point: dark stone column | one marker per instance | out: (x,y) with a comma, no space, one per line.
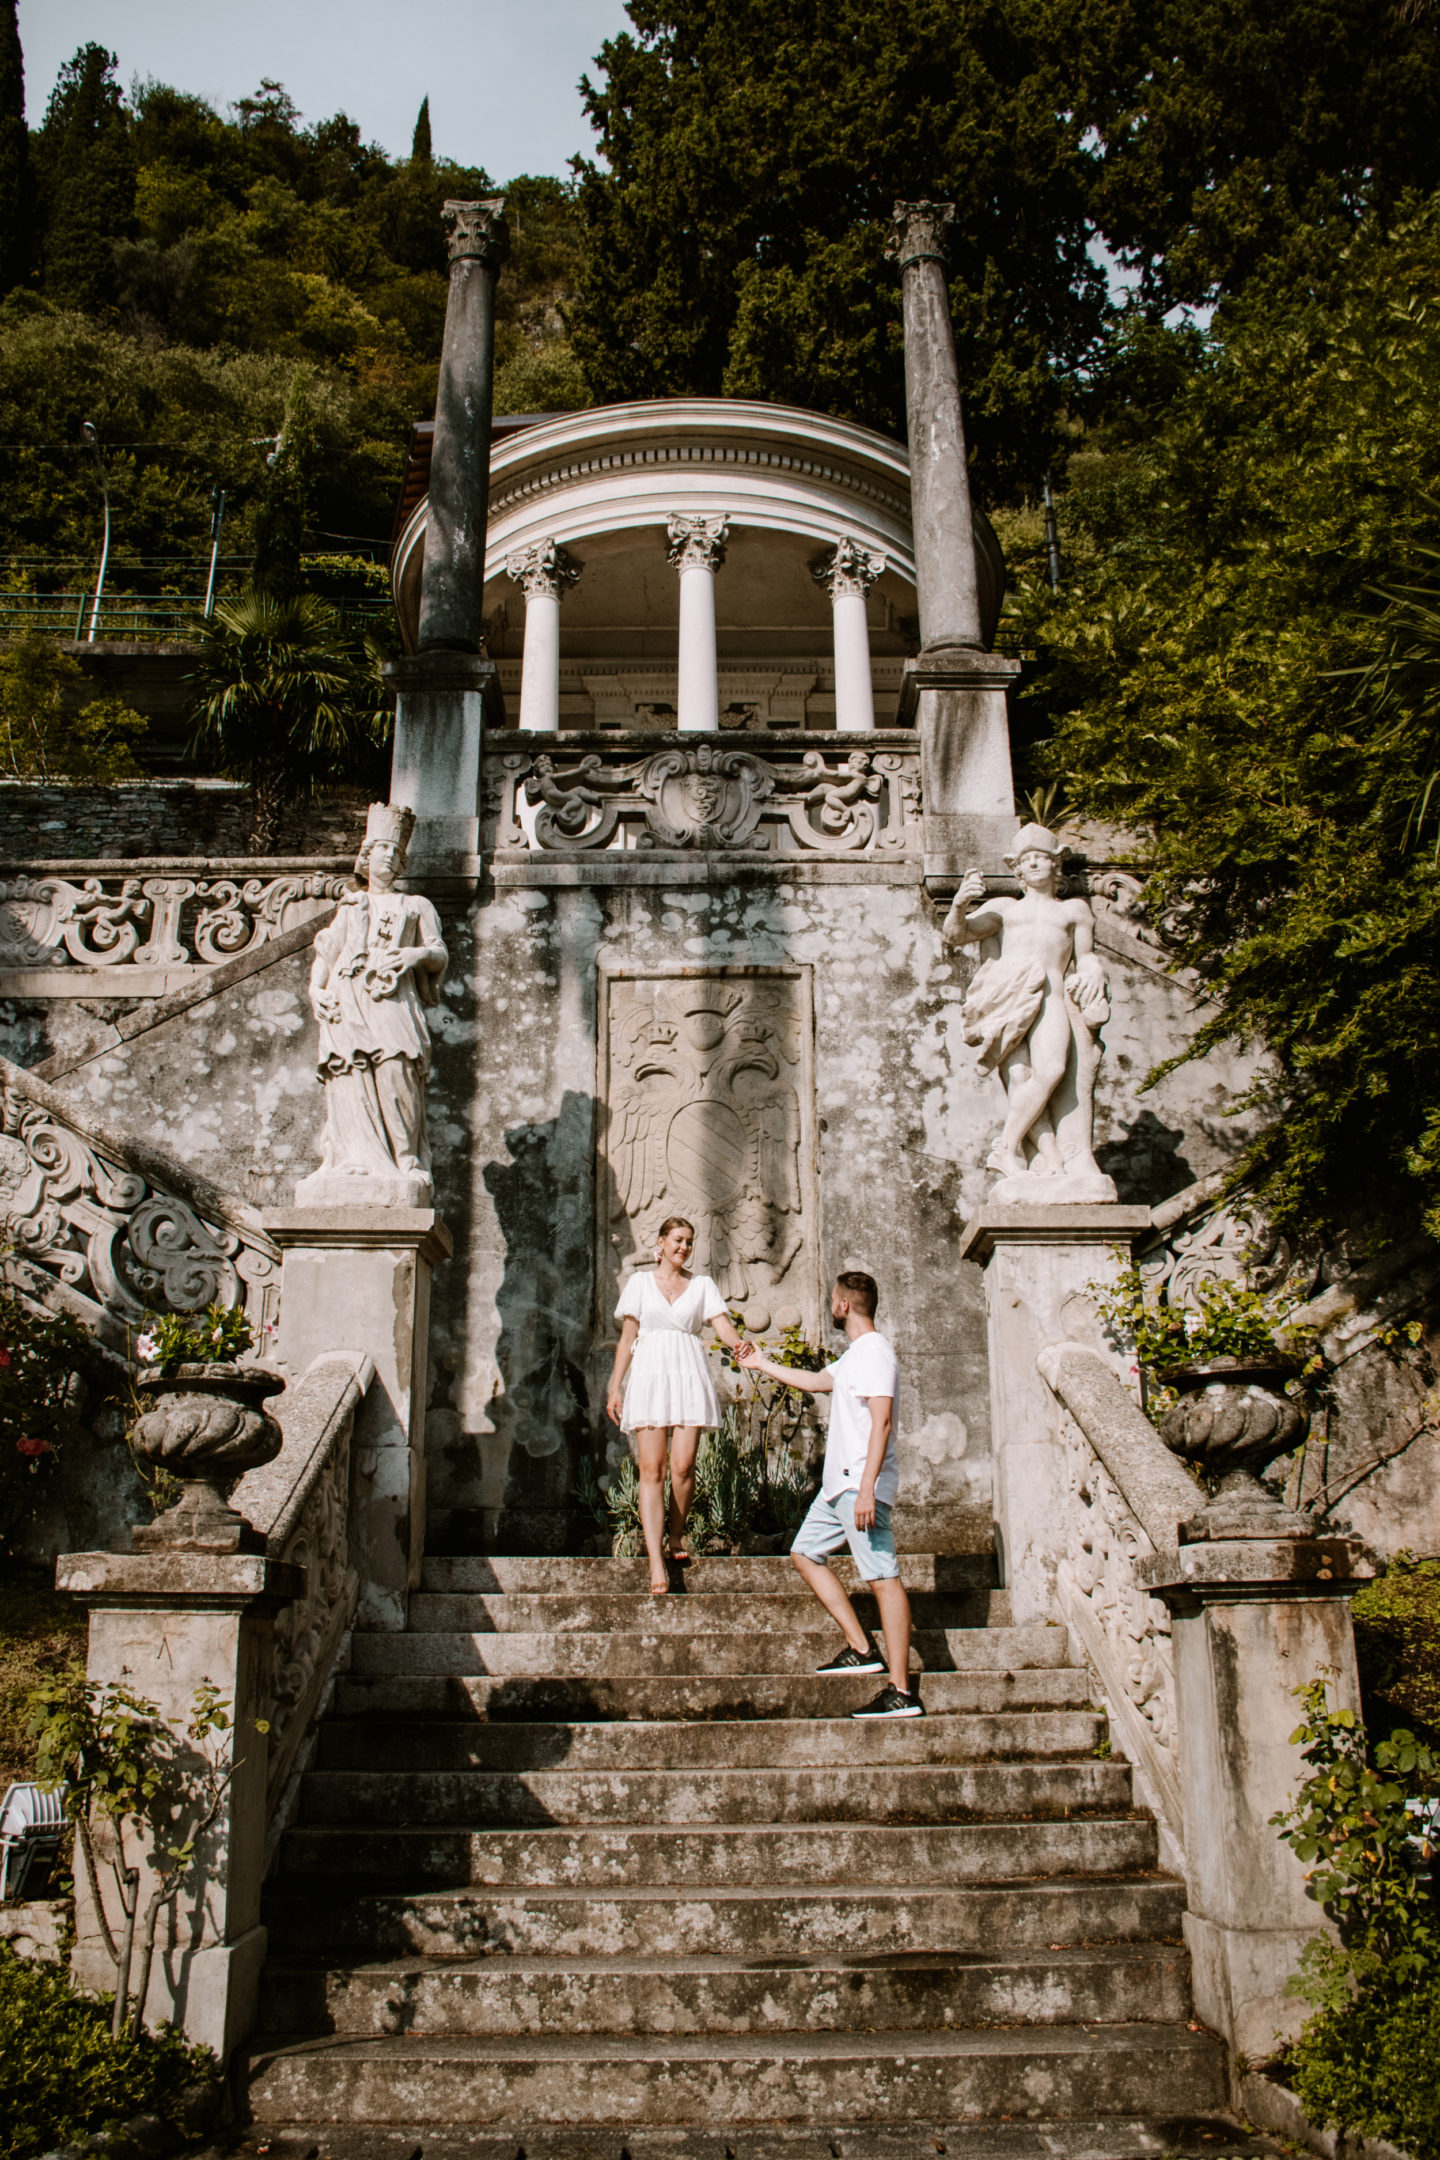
(453,580)
(946,578)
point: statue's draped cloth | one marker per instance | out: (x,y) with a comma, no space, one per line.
(1001,1006)
(374,1058)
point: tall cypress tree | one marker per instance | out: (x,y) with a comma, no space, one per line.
(87,179)
(281,518)
(15,197)
(420,150)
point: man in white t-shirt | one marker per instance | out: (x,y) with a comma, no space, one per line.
(856,1493)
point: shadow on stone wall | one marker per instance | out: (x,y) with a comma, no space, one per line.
(1146,1162)
(543,1416)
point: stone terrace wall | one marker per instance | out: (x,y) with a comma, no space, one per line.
(49,820)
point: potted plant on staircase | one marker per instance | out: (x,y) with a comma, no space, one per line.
(204,1423)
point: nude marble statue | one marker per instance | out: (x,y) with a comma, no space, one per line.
(1034,1012)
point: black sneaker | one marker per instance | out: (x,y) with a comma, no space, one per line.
(868,1660)
(892,1702)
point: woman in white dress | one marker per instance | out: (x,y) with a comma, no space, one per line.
(661,1389)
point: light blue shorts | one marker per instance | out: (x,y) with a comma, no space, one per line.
(830,1525)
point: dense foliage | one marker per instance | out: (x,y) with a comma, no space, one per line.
(50,729)
(172,267)
(40,1397)
(1365,2061)
(1397,1645)
(61,2074)
(1214,675)
(753,151)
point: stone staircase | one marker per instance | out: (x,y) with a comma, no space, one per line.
(570,1856)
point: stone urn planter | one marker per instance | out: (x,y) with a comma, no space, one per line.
(206,1425)
(1232,1420)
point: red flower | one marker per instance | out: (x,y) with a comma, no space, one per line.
(34,1447)
(4,1359)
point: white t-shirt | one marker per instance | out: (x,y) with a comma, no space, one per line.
(867,1368)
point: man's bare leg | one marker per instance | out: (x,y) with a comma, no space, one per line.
(832,1595)
(894,1602)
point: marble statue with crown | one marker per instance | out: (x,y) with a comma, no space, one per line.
(378,965)
(1034,1011)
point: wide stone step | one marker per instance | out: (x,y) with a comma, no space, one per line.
(706,1860)
(797,2077)
(730,1697)
(792,1612)
(904,1992)
(1112,2137)
(325,1921)
(905,1792)
(655,1651)
(369,1744)
(581,1576)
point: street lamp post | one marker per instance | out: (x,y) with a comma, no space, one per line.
(217,519)
(88,430)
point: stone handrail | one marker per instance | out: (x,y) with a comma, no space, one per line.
(109,1228)
(137,918)
(835,796)
(1127,1496)
(300,1504)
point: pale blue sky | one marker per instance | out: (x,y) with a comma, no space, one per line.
(501,75)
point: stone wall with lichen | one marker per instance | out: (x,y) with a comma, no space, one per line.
(51,820)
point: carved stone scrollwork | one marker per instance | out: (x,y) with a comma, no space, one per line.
(849,570)
(708,796)
(919,232)
(119,1244)
(97,922)
(697,543)
(544,571)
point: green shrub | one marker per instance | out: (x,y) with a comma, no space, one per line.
(1366,2061)
(1397,1643)
(61,2074)
(40,1394)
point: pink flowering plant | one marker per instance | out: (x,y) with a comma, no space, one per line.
(41,1394)
(218,1336)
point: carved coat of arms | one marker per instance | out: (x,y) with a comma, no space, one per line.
(706,1120)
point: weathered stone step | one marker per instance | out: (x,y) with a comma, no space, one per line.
(735,1651)
(953,1573)
(373,1745)
(703,1860)
(791,1612)
(322,1921)
(903,1792)
(904,1992)
(1112,2137)
(1019,2071)
(730,1697)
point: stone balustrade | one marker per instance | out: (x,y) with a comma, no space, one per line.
(816,799)
(149,926)
(109,1229)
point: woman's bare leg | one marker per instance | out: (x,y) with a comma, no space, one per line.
(684,1446)
(650,1447)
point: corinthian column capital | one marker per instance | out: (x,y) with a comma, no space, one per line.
(918,232)
(848,570)
(477,231)
(697,543)
(543,570)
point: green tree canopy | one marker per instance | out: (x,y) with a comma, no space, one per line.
(1212,676)
(86,164)
(15,200)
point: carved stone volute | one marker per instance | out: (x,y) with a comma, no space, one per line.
(697,543)
(919,232)
(848,570)
(477,231)
(544,571)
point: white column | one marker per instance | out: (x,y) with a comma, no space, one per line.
(697,549)
(847,573)
(545,572)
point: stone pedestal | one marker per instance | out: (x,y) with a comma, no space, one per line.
(961,714)
(442,700)
(1252,1621)
(164,1624)
(1038,1262)
(358,1278)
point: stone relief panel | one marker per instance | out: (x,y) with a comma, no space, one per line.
(706,1092)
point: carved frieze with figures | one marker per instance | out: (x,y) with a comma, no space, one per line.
(707,1106)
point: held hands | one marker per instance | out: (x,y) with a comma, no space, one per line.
(749,1355)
